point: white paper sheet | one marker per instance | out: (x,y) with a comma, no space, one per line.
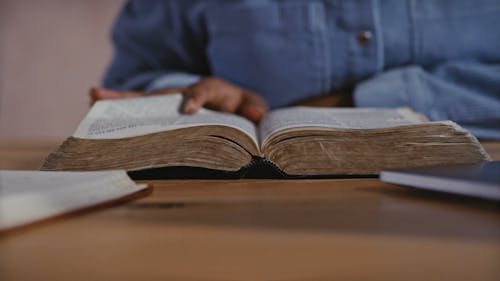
(111,119)
(338,118)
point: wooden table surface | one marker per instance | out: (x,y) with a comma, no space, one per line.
(343,229)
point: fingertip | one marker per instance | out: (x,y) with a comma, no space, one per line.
(190,107)
(93,93)
(193,100)
(101,94)
(253,113)
(254,107)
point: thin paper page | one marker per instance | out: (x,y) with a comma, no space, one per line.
(111,119)
(338,118)
(28,196)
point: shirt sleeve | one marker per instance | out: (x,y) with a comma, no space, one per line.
(465,92)
(157,44)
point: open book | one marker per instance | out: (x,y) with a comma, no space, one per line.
(32,196)
(148,135)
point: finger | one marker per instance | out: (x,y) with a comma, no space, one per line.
(193,100)
(254,114)
(219,97)
(216,99)
(166,91)
(253,107)
(334,100)
(225,102)
(97,93)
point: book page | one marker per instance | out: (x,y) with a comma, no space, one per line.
(28,196)
(122,118)
(337,118)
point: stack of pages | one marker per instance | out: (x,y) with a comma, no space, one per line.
(150,138)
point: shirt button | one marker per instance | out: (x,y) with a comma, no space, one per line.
(365,36)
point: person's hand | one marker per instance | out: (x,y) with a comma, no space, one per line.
(335,99)
(210,92)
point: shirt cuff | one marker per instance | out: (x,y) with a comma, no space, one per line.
(173,80)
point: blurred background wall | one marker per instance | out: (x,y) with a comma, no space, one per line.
(51,53)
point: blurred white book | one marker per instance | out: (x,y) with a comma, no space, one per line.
(480,180)
(31,196)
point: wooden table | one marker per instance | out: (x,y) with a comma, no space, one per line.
(351,229)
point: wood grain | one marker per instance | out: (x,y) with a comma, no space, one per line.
(344,229)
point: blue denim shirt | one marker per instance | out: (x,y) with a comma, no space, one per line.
(440,57)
